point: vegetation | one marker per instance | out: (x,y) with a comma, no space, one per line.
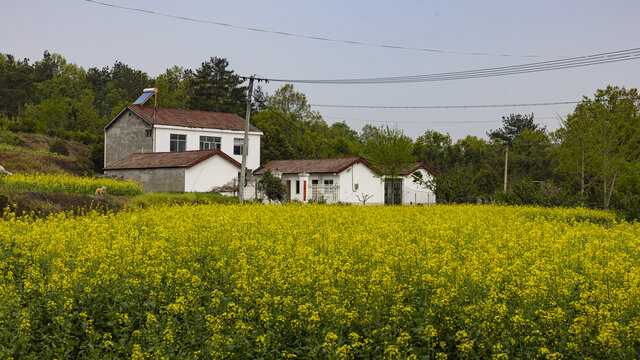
(593,157)
(234,281)
(272,186)
(68,184)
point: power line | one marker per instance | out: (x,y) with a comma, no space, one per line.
(428,122)
(319,38)
(581,61)
(443,106)
(277,113)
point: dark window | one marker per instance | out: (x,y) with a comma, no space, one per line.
(314,182)
(177,142)
(209,143)
(238,144)
(297,186)
(328,182)
(147,133)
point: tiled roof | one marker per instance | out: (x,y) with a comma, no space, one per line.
(180,159)
(311,165)
(407,169)
(189,118)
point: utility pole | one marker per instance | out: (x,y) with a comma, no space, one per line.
(245,144)
(506,163)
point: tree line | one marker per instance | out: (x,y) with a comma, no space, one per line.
(592,160)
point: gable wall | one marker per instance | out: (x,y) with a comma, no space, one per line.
(413,193)
(153,180)
(212,172)
(126,136)
(367,183)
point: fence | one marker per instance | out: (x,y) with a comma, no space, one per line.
(328,193)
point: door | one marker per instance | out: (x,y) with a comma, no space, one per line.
(393,191)
(287,196)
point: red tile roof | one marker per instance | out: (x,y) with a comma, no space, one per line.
(189,118)
(312,165)
(180,159)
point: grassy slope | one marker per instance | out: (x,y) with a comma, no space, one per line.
(77,163)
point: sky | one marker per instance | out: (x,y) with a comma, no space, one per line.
(93,35)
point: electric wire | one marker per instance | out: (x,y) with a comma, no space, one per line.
(320,38)
(427,122)
(277,113)
(443,106)
(582,61)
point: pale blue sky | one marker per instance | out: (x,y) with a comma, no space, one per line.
(93,35)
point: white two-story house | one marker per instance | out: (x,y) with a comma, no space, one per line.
(139,129)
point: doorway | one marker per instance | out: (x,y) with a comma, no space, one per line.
(393,191)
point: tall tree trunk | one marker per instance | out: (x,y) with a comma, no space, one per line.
(506,164)
(607,196)
(582,176)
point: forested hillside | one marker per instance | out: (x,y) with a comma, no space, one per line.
(592,160)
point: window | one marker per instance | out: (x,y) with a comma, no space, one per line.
(328,182)
(177,142)
(314,182)
(297,186)
(238,144)
(147,133)
(209,143)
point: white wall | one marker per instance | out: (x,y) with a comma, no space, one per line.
(360,174)
(367,183)
(213,172)
(413,193)
(162,141)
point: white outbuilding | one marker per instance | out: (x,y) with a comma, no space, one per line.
(199,170)
(349,180)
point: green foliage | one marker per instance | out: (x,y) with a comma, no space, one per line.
(512,126)
(541,194)
(157,198)
(293,131)
(59,147)
(387,148)
(272,186)
(12,148)
(598,139)
(213,87)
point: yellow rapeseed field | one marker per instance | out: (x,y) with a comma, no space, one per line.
(252,281)
(64,183)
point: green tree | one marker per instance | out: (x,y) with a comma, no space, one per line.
(173,88)
(272,186)
(433,149)
(599,138)
(16,80)
(387,148)
(213,87)
(513,125)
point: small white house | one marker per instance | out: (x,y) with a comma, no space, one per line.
(200,170)
(348,180)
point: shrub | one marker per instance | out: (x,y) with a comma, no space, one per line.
(59,147)
(272,186)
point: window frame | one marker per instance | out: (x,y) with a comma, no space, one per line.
(148,133)
(207,144)
(180,142)
(239,148)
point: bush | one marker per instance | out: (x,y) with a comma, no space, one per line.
(272,186)
(626,206)
(542,194)
(59,147)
